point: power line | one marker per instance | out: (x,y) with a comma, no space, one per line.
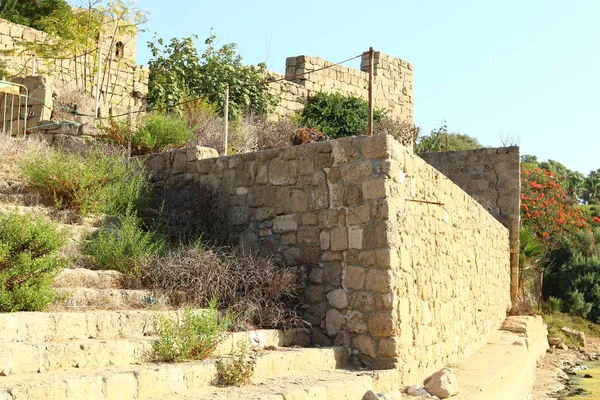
(262,83)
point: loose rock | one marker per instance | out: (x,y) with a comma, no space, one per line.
(442,384)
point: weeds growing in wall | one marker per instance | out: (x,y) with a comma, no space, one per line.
(238,369)
(193,338)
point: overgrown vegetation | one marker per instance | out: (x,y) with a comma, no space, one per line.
(237,370)
(124,247)
(178,71)
(28,261)
(156,132)
(338,115)
(95,182)
(193,338)
(31,13)
(440,139)
(556,321)
(255,288)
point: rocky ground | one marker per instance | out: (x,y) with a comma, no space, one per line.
(552,380)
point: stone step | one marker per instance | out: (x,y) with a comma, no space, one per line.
(23,358)
(87,278)
(322,385)
(41,327)
(37,327)
(108,299)
(158,380)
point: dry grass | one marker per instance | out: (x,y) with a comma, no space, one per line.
(255,288)
(403,131)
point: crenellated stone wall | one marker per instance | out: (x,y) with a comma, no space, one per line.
(402,265)
(392,83)
(492,176)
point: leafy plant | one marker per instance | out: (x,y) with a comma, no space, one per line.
(125,247)
(158,132)
(95,182)
(28,261)
(338,115)
(553,305)
(195,338)
(441,140)
(178,71)
(238,370)
(31,13)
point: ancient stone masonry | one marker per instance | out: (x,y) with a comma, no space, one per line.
(402,265)
(393,83)
(492,177)
(125,84)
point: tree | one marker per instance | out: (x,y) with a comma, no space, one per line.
(177,71)
(440,140)
(591,193)
(531,255)
(31,12)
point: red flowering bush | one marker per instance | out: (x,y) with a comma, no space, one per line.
(547,209)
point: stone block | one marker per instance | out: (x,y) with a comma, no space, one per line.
(339,239)
(354,277)
(381,324)
(333,322)
(338,298)
(366,345)
(283,173)
(285,223)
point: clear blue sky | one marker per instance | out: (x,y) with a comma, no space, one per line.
(489,68)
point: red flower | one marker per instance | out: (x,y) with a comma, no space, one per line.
(597,220)
(545,234)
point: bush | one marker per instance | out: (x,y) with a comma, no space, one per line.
(195,338)
(239,369)
(577,306)
(159,132)
(125,247)
(255,288)
(553,305)
(95,182)
(338,115)
(28,262)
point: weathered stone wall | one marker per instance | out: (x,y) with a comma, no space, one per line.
(393,83)
(453,274)
(492,177)
(124,83)
(405,283)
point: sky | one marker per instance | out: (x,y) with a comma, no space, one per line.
(525,71)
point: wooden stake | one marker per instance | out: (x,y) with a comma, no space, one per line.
(226,117)
(371,59)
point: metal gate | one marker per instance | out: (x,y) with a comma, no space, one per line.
(13,103)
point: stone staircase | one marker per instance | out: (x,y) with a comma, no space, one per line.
(96,343)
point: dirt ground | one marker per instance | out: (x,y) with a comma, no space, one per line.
(551,381)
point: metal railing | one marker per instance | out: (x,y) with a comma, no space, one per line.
(13,91)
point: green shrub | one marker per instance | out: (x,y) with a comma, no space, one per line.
(195,338)
(95,182)
(338,115)
(28,261)
(159,132)
(123,247)
(577,306)
(553,305)
(238,370)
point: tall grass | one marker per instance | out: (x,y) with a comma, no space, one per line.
(91,183)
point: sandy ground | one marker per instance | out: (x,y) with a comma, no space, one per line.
(550,378)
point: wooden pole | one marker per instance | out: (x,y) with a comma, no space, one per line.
(226,117)
(98,81)
(130,131)
(371,59)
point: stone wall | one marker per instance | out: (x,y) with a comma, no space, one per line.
(402,265)
(492,176)
(393,83)
(124,83)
